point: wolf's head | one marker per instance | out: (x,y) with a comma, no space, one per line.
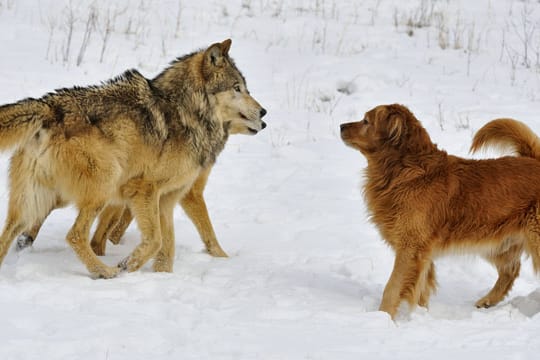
(227,90)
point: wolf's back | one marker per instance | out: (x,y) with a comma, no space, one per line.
(21,120)
(508,134)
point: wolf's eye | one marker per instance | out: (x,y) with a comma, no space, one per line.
(237,88)
(365,122)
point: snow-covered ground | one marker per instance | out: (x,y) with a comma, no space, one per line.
(306,269)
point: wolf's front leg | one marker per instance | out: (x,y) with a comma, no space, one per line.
(165,257)
(195,207)
(144,203)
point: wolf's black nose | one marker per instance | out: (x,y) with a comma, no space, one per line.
(263,112)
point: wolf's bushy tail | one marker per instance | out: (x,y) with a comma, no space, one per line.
(21,120)
(508,134)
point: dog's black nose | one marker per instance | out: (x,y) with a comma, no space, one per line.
(263,124)
(342,126)
(263,112)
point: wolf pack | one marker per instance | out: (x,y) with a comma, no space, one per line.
(133,148)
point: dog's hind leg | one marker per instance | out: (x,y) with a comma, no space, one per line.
(508,264)
(409,266)
(195,207)
(532,243)
(165,257)
(77,238)
(108,220)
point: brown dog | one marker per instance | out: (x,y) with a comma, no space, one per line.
(427,203)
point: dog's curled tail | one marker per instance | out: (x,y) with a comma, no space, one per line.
(508,134)
(21,120)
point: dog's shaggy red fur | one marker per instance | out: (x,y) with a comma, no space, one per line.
(427,203)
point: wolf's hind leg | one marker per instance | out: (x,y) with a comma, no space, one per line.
(28,237)
(121,226)
(108,220)
(508,264)
(28,204)
(14,225)
(77,238)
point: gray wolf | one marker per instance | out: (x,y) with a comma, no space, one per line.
(115,219)
(132,141)
(426,203)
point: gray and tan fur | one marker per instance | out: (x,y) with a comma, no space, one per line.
(129,142)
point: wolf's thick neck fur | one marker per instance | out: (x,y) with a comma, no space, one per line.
(187,109)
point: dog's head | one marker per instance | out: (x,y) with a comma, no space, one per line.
(227,89)
(387,127)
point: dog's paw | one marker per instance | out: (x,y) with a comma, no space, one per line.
(23,241)
(484,303)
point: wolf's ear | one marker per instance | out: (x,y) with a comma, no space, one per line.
(226,46)
(216,52)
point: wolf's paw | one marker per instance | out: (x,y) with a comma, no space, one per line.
(123,265)
(217,252)
(23,241)
(105,272)
(163,266)
(129,264)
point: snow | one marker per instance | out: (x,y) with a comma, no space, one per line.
(306,269)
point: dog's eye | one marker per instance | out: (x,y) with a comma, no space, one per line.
(237,88)
(365,122)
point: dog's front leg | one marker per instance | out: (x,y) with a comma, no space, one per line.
(409,266)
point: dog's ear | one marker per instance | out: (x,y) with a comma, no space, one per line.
(216,53)
(395,128)
(396,123)
(406,132)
